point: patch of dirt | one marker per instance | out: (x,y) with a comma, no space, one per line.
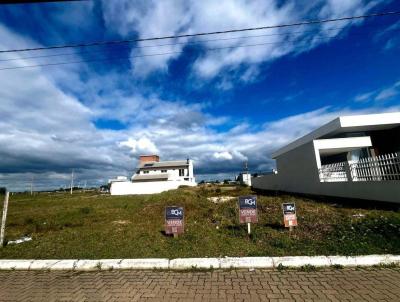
(121,222)
(221,199)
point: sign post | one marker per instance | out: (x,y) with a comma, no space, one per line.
(3,219)
(248,211)
(289,215)
(174,221)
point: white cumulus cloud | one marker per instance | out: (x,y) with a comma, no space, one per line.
(223,155)
(141,146)
(229,60)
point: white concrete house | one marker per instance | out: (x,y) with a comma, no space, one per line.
(155,176)
(244,178)
(351,157)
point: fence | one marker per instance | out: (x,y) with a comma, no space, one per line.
(379,168)
(333,172)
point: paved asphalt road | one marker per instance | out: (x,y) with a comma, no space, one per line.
(381,284)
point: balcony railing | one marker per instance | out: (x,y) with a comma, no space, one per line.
(379,168)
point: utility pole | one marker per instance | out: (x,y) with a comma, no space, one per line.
(32,185)
(72,180)
(3,220)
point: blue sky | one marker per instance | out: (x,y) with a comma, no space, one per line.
(219,107)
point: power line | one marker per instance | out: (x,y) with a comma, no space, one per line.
(4,2)
(310,22)
(145,55)
(169,53)
(185,43)
(171,44)
(164,53)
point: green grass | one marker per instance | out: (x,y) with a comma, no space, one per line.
(90,225)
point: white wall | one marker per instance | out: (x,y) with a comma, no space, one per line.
(191,173)
(132,188)
(339,145)
(245,178)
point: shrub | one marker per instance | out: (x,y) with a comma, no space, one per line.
(85,210)
(280,267)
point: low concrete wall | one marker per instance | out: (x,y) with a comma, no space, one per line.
(266,182)
(133,188)
(388,191)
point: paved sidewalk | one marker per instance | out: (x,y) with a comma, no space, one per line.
(236,285)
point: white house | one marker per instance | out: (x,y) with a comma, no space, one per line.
(244,178)
(155,176)
(351,157)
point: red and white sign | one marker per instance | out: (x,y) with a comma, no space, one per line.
(248,209)
(174,220)
(289,214)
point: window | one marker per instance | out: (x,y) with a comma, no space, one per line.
(181,172)
(163,171)
(145,172)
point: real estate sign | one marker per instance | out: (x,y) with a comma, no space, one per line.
(247,209)
(174,220)
(289,214)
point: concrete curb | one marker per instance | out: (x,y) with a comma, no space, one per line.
(189,263)
(246,262)
(198,263)
(299,261)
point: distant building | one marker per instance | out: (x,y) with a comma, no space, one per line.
(351,157)
(155,176)
(244,178)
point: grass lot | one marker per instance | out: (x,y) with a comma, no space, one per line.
(89,225)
